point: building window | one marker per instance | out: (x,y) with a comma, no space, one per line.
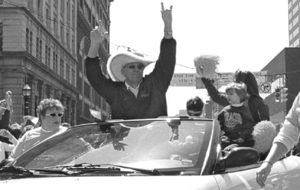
(30,43)
(55,23)
(81,3)
(87,92)
(1,37)
(62,68)
(62,6)
(40,10)
(86,111)
(296,43)
(73,77)
(73,16)
(68,10)
(73,45)
(27,39)
(37,47)
(41,47)
(68,73)
(48,18)
(295,21)
(295,9)
(296,31)
(62,32)
(68,38)
(46,55)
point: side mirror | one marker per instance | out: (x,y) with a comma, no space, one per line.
(240,156)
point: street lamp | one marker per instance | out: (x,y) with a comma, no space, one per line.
(26,93)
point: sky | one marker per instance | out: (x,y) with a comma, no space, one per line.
(245,34)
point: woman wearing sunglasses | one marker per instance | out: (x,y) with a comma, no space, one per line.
(50,112)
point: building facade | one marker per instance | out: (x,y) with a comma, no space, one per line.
(89,12)
(285,71)
(43,45)
(294,23)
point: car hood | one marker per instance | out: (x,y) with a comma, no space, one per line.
(109,182)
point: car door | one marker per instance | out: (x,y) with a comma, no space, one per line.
(289,172)
(245,178)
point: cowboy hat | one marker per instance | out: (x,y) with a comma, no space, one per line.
(117,61)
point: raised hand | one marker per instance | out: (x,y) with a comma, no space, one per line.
(5,133)
(166,14)
(98,34)
(8,99)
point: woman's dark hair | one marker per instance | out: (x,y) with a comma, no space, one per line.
(249,79)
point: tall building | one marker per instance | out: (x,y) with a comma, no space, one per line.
(43,44)
(89,12)
(294,22)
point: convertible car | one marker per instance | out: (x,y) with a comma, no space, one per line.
(162,153)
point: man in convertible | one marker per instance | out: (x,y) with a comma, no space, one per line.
(129,94)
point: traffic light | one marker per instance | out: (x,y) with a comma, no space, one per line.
(283,94)
(277,94)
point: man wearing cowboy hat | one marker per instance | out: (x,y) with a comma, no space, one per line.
(129,94)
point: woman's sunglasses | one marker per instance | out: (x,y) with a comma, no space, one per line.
(55,114)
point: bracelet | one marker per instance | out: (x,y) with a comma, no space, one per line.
(268,162)
(168,32)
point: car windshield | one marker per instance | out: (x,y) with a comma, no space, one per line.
(171,143)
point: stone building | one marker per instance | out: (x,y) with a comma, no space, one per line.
(41,45)
(89,12)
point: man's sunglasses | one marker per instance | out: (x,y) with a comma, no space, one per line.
(140,67)
(55,114)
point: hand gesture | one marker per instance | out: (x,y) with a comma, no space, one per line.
(98,34)
(166,14)
(200,71)
(262,173)
(8,99)
(5,133)
(119,146)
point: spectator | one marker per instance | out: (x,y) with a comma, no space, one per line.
(5,112)
(16,130)
(235,119)
(194,106)
(4,147)
(50,112)
(129,94)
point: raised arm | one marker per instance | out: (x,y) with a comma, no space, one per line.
(167,18)
(165,65)
(216,96)
(94,73)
